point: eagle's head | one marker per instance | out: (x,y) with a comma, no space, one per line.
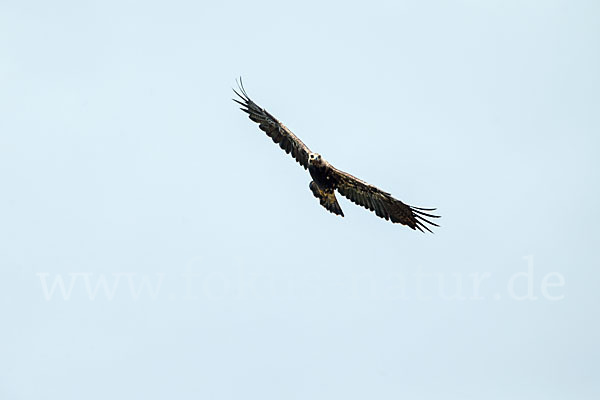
(315,160)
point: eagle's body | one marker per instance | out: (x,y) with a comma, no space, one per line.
(322,175)
(327,179)
(323,185)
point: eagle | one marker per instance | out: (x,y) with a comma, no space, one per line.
(327,179)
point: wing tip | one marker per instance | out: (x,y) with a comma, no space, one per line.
(420,218)
(240,85)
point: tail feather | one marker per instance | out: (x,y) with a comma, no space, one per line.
(327,199)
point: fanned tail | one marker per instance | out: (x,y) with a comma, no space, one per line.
(326,198)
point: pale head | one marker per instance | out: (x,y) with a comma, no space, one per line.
(316,160)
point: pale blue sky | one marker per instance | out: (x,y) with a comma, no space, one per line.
(123,158)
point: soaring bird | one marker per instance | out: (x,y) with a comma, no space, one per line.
(327,179)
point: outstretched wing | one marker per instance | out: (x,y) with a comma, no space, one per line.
(273,128)
(384,205)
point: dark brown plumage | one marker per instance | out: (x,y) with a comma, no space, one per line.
(327,179)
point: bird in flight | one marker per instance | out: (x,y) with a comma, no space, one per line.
(327,179)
